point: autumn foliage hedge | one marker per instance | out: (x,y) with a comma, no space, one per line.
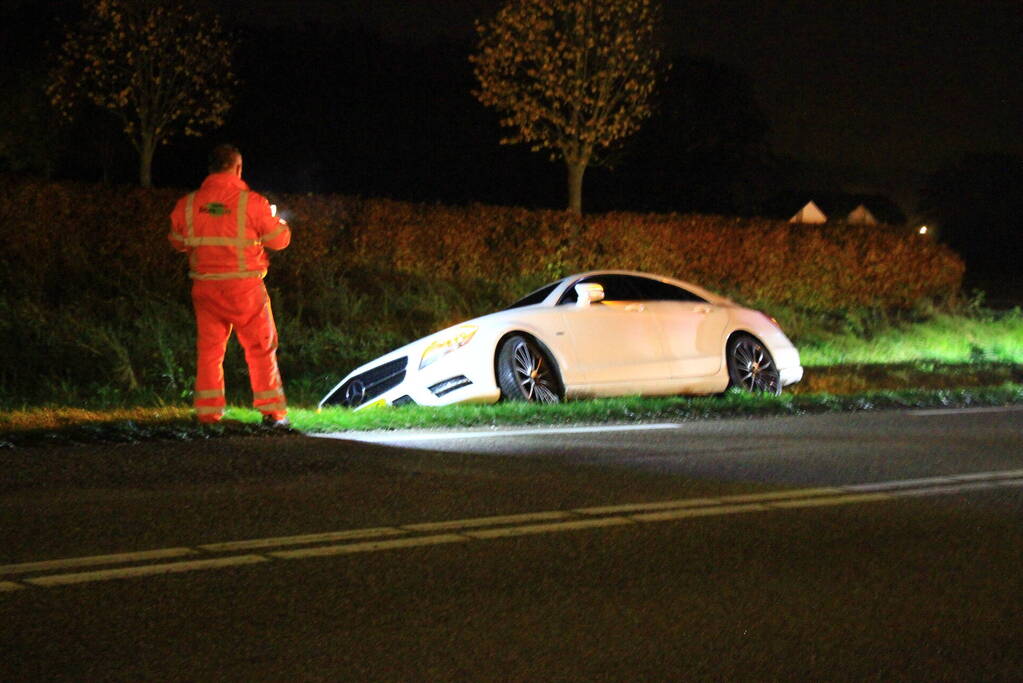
(92,291)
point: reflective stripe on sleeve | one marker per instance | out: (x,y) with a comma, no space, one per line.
(274,234)
(243,203)
(193,258)
(189,218)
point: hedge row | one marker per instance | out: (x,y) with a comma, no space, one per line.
(71,235)
(88,274)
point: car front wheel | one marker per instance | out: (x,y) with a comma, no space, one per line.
(751,367)
(526,373)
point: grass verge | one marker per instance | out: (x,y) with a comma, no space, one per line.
(978,338)
(175,424)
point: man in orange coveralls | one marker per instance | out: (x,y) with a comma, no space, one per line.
(225,228)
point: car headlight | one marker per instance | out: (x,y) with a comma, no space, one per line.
(442,346)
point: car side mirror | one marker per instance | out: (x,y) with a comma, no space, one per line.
(588,293)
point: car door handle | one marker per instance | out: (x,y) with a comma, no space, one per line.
(703,309)
(635,308)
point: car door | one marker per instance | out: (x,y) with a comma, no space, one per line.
(618,339)
(692,327)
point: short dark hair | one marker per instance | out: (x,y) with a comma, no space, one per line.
(223,158)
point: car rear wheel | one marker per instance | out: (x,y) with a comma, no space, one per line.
(751,367)
(526,373)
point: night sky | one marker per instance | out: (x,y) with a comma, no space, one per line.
(877,93)
(888,84)
(888,89)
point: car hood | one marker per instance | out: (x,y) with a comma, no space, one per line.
(415,348)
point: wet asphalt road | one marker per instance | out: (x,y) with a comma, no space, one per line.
(911,572)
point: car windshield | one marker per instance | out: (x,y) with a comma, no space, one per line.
(535,297)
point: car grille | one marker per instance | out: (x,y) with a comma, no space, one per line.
(366,386)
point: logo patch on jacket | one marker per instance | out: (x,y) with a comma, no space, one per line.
(214,209)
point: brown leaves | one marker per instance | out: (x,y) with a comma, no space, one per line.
(569,74)
(763,262)
(160,65)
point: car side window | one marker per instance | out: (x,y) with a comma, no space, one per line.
(655,290)
(616,288)
(534,297)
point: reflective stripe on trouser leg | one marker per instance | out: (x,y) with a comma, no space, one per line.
(259,339)
(211,343)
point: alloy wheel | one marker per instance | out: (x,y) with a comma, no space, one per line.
(534,377)
(752,367)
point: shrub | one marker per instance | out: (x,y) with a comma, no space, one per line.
(92,294)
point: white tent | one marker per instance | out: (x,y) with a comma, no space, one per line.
(861,216)
(809,214)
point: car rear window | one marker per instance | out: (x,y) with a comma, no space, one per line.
(655,290)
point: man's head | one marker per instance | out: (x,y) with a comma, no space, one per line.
(226,158)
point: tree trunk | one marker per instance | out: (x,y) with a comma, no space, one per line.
(575,185)
(146,150)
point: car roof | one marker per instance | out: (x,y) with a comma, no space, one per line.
(570,280)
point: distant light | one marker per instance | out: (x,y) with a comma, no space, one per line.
(923,230)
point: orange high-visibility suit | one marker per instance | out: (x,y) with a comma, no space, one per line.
(224,228)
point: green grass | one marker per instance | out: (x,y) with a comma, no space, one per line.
(963,339)
(974,338)
(948,359)
(638,409)
(176,425)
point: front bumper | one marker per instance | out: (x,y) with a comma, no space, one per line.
(399,381)
(786,358)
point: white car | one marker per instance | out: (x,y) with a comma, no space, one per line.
(601,333)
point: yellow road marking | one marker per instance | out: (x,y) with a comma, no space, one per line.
(504,526)
(144,570)
(641,507)
(300,540)
(776,495)
(487,521)
(699,512)
(549,528)
(118,558)
(720,500)
(367,547)
(837,500)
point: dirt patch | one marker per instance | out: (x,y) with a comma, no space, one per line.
(854,379)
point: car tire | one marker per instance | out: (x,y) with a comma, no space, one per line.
(751,366)
(525,372)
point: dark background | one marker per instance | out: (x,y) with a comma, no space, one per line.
(911,107)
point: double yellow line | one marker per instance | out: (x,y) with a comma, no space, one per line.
(51,573)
